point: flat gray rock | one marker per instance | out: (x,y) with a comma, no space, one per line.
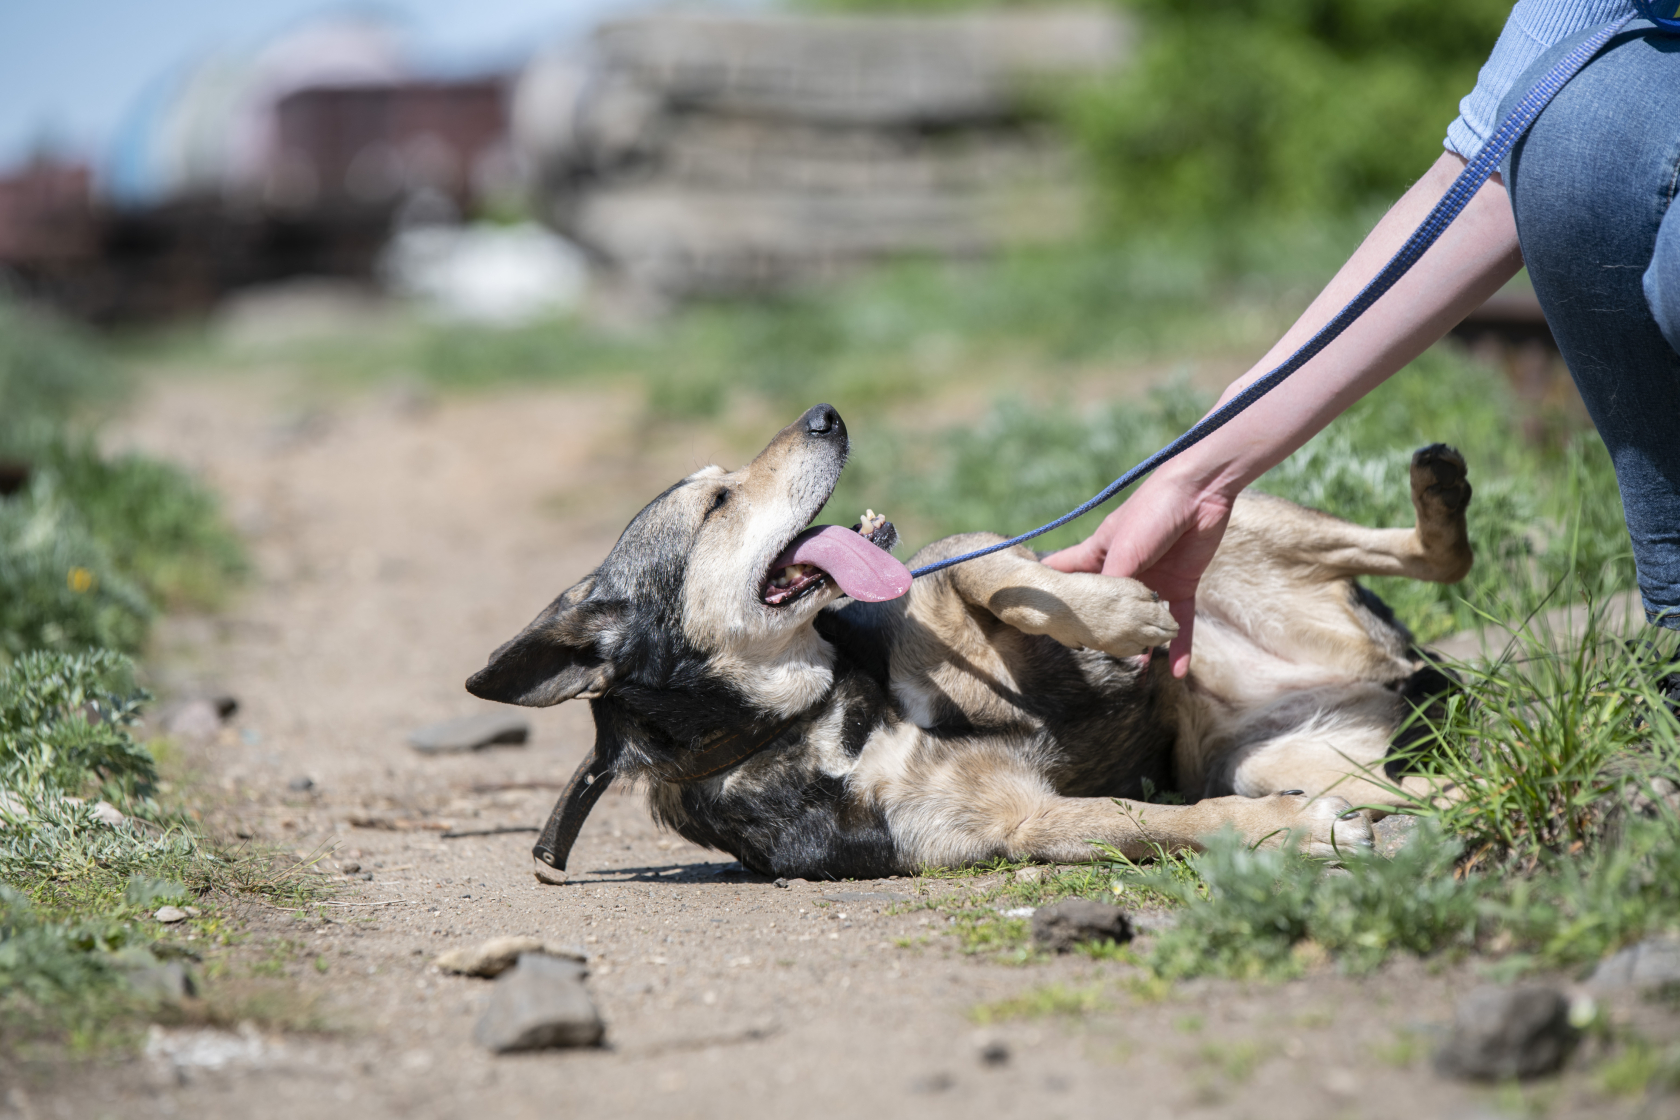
(538,1004)
(1500,1033)
(1649,964)
(1066,924)
(471,733)
(155,981)
(1392,833)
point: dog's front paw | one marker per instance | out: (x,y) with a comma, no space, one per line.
(1328,827)
(1129,619)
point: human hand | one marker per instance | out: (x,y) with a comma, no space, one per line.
(1164,536)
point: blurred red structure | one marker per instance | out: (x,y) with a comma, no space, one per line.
(373,143)
(46,215)
(351,162)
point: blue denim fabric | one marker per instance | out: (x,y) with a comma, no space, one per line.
(1591,185)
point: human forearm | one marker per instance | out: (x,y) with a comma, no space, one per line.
(1476,255)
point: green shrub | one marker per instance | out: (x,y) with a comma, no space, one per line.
(59,587)
(47,371)
(1546,747)
(64,726)
(159,526)
(48,962)
(1254,906)
(1260,107)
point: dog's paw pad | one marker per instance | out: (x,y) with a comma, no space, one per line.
(1439,474)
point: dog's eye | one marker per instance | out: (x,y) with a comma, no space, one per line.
(719,500)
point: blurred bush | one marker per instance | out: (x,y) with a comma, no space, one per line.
(47,371)
(1231,109)
(90,544)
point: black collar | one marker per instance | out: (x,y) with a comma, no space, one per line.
(596,773)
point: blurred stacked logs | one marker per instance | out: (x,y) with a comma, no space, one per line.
(713,154)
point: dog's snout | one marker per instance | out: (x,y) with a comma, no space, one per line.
(822,420)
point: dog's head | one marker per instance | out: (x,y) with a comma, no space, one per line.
(701,616)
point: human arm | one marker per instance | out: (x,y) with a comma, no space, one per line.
(1165,534)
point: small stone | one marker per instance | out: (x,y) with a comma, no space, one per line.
(538,1004)
(1392,833)
(782,883)
(1062,926)
(937,1082)
(994,1053)
(471,733)
(106,813)
(499,954)
(1153,922)
(350,868)
(866,896)
(1652,963)
(196,721)
(1027,876)
(1500,1033)
(301,784)
(171,914)
(154,981)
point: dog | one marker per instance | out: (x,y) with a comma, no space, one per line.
(784,700)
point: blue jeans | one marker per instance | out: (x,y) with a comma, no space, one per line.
(1591,185)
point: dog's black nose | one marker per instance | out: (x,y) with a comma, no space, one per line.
(823,421)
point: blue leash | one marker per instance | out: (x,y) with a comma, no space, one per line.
(1469,181)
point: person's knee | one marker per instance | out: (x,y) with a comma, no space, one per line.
(1662,279)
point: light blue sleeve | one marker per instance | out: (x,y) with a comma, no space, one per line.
(1533,26)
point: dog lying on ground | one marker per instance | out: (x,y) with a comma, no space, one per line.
(784,702)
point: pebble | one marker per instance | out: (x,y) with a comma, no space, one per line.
(1029,875)
(1652,963)
(1392,833)
(1501,1033)
(497,955)
(301,784)
(866,896)
(538,1004)
(1062,926)
(171,914)
(196,721)
(471,733)
(154,980)
(105,813)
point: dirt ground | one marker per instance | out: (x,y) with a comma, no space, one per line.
(397,540)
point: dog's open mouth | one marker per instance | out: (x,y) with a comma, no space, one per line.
(856,559)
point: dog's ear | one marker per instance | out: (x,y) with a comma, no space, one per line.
(558,657)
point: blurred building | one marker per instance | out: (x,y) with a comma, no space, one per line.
(693,153)
(298,160)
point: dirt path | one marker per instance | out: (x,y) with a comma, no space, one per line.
(395,545)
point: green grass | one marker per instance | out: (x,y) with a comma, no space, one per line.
(93,545)
(1049,1000)
(76,893)
(893,335)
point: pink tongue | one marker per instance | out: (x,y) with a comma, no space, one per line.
(862,570)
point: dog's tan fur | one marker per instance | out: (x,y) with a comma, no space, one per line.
(1283,724)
